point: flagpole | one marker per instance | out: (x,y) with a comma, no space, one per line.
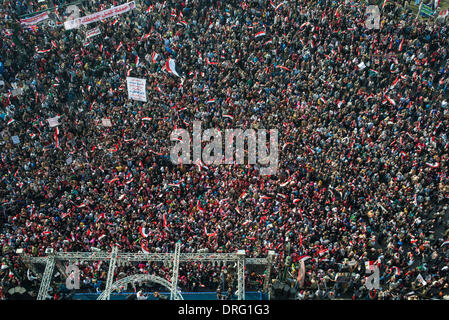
(419,9)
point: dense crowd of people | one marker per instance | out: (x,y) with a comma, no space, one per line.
(362,117)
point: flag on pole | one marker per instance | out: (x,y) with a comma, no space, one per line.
(144,232)
(390,100)
(170,65)
(443,13)
(400,46)
(427,10)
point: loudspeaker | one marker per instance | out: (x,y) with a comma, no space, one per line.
(277,290)
(285,291)
(292,293)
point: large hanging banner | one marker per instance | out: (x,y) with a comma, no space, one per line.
(137,89)
(114,11)
(31,21)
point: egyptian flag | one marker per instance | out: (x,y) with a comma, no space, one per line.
(282,67)
(394,83)
(199,207)
(42,51)
(144,248)
(390,100)
(165,221)
(143,232)
(260,34)
(304,258)
(175,184)
(99,217)
(323,252)
(433,165)
(154,57)
(436,4)
(369,265)
(170,65)
(101,237)
(56,137)
(400,46)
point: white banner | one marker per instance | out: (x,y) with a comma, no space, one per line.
(31,21)
(137,88)
(114,11)
(92,32)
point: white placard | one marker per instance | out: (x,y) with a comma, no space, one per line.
(92,32)
(106,122)
(15,139)
(137,89)
(17,92)
(53,122)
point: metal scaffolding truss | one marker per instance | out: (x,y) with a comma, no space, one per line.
(46,278)
(138,278)
(122,258)
(174,279)
(110,278)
